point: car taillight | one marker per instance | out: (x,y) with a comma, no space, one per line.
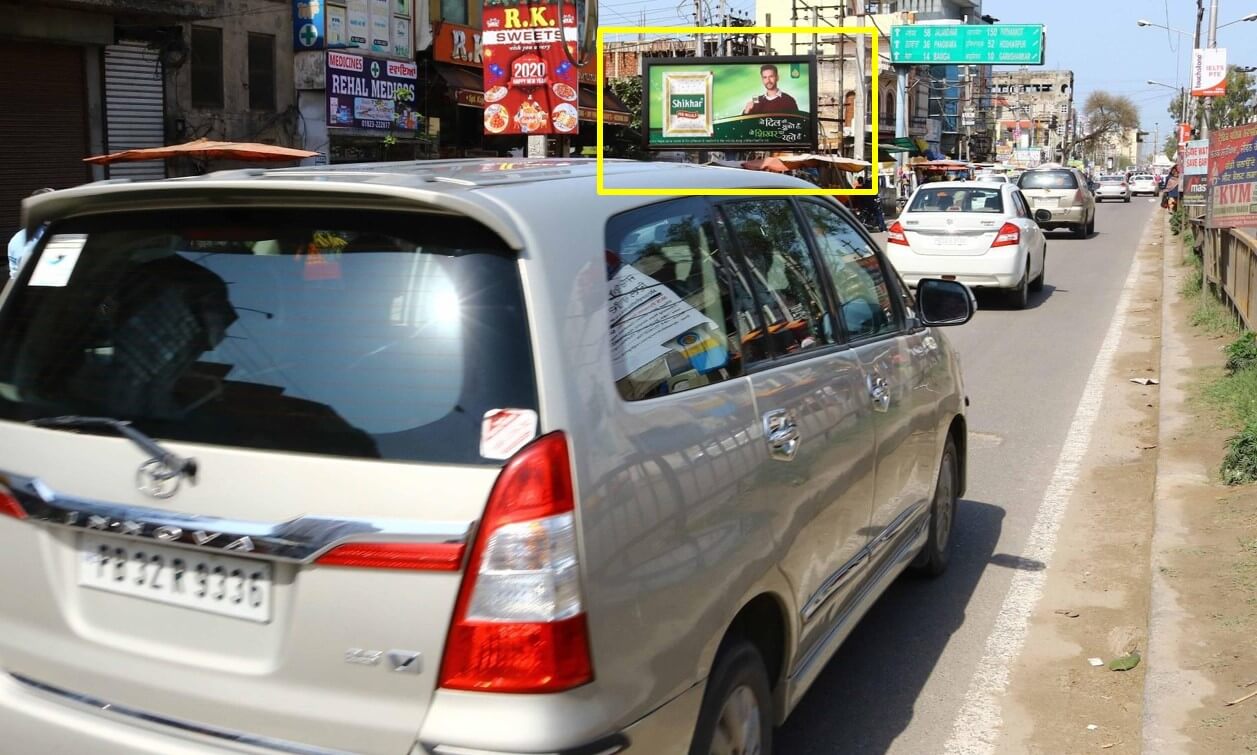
(1009,235)
(895,234)
(1079,197)
(416,556)
(519,623)
(9,505)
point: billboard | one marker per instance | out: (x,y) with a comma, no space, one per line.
(1196,157)
(1233,177)
(1209,72)
(967,44)
(530,86)
(371,93)
(730,103)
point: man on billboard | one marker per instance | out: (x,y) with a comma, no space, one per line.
(773,100)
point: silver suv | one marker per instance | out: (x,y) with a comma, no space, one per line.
(454,457)
(1066,194)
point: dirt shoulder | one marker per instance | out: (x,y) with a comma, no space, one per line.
(1095,599)
(1204,599)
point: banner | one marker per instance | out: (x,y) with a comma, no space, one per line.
(530,86)
(1209,72)
(308,25)
(730,103)
(371,93)
(1196,157)
(1233,177)
(1195,190)
(1184,133)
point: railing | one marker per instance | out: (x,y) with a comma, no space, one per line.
(1230,267)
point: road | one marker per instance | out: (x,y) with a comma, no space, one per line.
(898,683)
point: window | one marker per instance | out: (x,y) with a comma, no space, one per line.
(888,106)
(1019,202)
(968,199)
(780,270)
(207,67)
(675,303)
(1048,179)
(338,332)
(859,281)
(261,72)
(454,11)
(848,109)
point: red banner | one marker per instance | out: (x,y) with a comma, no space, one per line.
(1184,133)
(530,86)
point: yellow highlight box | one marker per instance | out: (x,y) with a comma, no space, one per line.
(717,30)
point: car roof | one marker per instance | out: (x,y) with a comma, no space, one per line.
(485,189)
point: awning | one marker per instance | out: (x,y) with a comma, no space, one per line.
(466,85)
(615,112)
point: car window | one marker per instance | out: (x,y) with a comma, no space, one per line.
(675,303)
(1112,179)
(962,199)
(782,274)
(345,333)
(1020,208)
(1048,179)
(861,284)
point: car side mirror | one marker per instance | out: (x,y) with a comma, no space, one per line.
(1042,216)
(943,302)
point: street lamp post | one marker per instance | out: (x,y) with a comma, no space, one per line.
(1182,93)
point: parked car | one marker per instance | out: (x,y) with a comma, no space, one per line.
(1064,192)
(981,234)
(1144,183)
(455,457)
(1112,187)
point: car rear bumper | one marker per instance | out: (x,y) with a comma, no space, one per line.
(1113,195)
(994,269)
(1062,216)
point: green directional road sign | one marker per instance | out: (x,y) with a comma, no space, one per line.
(942,44)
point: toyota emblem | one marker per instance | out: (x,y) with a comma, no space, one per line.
(156,480)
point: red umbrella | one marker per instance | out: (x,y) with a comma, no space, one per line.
(204,148)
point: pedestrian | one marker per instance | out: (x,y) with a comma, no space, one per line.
(19,247)
(872,206)
(1169,199)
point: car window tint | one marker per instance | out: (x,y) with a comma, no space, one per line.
(782,274)
(675,305)
(1023,209)
(861,284)
(1048,179)
(963,199)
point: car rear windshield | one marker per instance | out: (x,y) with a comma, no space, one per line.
(961,199)
(1112,179)
(1142,177)
(356,334)
(1048,179)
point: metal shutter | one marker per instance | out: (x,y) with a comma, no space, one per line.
(43,124)
(134,112)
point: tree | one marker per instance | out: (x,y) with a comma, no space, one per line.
(627,140)
(1235,108)
(1171,145)
(1108,115)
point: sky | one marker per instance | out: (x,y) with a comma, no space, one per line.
(1097,39)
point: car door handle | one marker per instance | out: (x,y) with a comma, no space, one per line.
(781,431)
(879,390)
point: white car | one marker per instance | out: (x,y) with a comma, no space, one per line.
(1144,183)
(1113,187)
(979,233)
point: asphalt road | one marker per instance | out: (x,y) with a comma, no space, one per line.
(899,681)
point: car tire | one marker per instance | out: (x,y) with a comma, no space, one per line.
(933,559)
(1037,283)
(736,715)
(1126,200)
(1091,227)
(1080,231)
(1019,297)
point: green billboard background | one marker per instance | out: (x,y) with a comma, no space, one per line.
(733,86)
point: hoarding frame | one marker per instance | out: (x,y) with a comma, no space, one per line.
(778,60)
(600,166)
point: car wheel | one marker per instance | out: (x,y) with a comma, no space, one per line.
(1037,283)
(1019,297)
(1126,200)
(736,717)
(1091,226)
(933,558)
(1080,231)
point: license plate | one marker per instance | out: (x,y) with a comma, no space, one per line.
(952,242)
(223,585)
(1048,202)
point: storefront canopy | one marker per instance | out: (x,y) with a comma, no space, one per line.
(466,88)
(615,112)
(204,148)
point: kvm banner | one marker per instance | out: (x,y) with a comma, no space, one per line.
(1209,72)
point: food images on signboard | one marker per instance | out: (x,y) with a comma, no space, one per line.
(496,118)
(565,118)
(563,91)
(530,117)
(496,94)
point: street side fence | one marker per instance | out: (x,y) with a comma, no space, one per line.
(1230,267)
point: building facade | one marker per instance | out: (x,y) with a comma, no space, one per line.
(1034,115)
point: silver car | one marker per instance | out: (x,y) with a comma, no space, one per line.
(455,457)
(1113,187)
(1065,194)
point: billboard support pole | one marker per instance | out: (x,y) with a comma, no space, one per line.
(901,111)
(861,98)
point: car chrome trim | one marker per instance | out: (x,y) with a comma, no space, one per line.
(120,711)
(892,530)
(300,540)
(833,582)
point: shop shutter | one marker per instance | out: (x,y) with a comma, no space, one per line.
(134,112)
(43,124)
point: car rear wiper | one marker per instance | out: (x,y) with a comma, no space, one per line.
(176,464)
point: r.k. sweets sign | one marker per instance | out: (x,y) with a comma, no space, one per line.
(530,85)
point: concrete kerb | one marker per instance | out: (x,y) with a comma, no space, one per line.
(1171,691)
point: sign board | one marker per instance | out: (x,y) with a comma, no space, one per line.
(371,93)
(1195,190)
(1209,72)
(460,45)
(1196,158)
(1233,177)
(530,86)
(309,25)
(968,118)
(1027,157)
(993,44)
(730,103)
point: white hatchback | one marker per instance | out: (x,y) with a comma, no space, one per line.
(982,234)
(1144,183)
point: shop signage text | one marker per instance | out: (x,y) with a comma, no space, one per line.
(530,85)
(373,93)
(309,29)
(1233,177)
